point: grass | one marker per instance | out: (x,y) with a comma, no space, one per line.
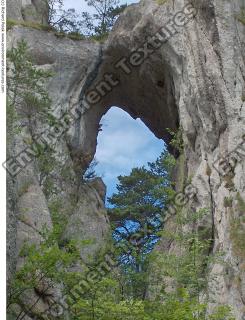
(99,38)
(73,35)
(161,2)
(11,23)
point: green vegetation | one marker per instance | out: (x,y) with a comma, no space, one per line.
(28,24)
(177,140)
(229,183)
(95,24)
(228,202)
(59,220)
(241,203)
(100,22)
(187,265)
(28,104)
(208,170)
(161,2)
(241,16)
(119,295)
(140,200)
(26,93)
(122,292)
(71,35)
(237,229)
(44,261)
(238,236)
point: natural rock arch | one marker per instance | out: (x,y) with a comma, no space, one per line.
(149,91)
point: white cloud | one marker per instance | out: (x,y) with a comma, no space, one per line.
(81,5)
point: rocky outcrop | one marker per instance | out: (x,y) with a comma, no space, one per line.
(187,70)
(28,10)
(30,199)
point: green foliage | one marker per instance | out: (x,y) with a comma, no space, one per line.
(28,24)
(53,7)
(228,202)
(241,203)
(177,140)
(100,22)
(222,313)
(241,16)
(43,261)
(175,309)
(63,21)
(229,183)
(141,198)
(99,38)
(237,227)
(161,2)
(145,192)
(137,205)
(105,302)
(26,93)
(187,265)
(28,104)
(59,220)
(75,36)
(95,24)
(47,163)
(237,233)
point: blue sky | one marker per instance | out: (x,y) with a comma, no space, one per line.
(123,143)
(80,5)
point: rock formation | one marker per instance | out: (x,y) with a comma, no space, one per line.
(188,70)
(28,10)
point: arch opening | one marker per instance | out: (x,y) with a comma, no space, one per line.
(149,93)
(123,143)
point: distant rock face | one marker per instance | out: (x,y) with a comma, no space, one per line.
(195,79)
(28,10)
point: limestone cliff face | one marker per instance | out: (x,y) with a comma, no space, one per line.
(195,80)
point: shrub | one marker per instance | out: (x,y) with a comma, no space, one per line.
(228,202)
